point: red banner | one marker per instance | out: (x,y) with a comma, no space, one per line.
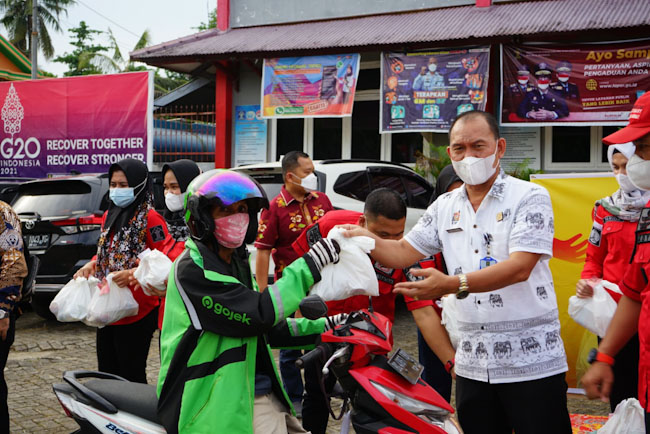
(82,124)
(594,84)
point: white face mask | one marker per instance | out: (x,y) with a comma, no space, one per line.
(542,86)
(563,79)
(638,171)
(523,82)
(432,67)
(309,182)
(475,171)
(625,183)
(174,202)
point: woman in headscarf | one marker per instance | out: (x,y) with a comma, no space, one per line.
(609,250)
(437,373)
(129,227)
(176,177)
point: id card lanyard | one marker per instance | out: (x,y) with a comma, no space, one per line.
(488,260)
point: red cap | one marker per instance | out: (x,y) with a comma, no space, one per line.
(639,124)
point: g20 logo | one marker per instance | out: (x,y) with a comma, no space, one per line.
(19,148)
(12,116)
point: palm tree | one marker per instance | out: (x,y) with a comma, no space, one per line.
(17,19)
(114,63)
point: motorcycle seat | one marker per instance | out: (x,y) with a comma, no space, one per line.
(135,398)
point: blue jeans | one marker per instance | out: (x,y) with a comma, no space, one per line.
(434,372)
(290,374)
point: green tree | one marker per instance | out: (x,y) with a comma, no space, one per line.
(17,19)
(82,38)
(111,64)
(211,24)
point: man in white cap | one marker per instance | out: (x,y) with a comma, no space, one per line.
(633,311)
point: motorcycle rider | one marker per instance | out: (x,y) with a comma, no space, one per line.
(217,372)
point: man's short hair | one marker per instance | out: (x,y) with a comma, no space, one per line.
(290,161)
(385,202)
(489,118)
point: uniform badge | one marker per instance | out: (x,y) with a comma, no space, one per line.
(596,235)
(157,233)
(644,220)
(313,235)
(455,218)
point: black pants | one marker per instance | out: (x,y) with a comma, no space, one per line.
(314,406)
(123,349)
(626,373)
(434,372)
(4,353)
(528,407)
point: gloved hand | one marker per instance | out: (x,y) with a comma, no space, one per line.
(325,252)
(334,320)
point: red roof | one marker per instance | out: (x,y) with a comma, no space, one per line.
(446,24)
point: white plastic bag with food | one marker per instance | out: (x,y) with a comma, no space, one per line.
(353,274)
(72,302)
(153,270)
(628,418)
(595,313)
(449,315)
(111,303)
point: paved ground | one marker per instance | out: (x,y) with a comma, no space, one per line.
(43,350)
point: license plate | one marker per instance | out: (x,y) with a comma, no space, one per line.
(38,241)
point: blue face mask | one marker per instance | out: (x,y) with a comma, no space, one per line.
(122,197)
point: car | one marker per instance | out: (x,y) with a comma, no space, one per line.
(61,222)
(8,190)
(347,183)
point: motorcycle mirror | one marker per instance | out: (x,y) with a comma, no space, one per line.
(313,307)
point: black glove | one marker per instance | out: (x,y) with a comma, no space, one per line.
(324,252)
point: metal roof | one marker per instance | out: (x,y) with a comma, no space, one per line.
(447,24)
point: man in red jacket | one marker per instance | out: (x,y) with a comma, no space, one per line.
(633,311)
(384,215)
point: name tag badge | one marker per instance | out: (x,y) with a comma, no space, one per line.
(488,261)
(451,230)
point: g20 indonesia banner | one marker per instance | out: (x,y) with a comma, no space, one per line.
(83,124)
(585,84)
(425,91)
(315,86)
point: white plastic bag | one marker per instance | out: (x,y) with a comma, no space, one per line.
(628,418)
(353,274)
(111,303)
(72,302)
(595,313)
(153,270)
(449,318)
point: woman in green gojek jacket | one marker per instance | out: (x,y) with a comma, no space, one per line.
(215,354)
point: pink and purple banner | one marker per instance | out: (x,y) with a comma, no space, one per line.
(74,124)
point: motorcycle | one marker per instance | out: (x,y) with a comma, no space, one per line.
(386,394)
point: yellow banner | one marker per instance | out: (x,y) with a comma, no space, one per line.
(573,197)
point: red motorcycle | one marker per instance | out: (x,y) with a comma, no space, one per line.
(386,394)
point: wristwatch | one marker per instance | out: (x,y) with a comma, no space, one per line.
(597,356)
(463,289)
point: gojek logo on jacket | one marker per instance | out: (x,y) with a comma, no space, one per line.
(218,309)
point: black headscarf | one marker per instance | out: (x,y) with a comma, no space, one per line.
(446,177)
(136,173)
(185,171)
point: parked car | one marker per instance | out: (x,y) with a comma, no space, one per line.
(8,190)
(61,222)
(347,183)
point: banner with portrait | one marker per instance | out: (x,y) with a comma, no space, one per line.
(425,91)
(313,86)
(581,84)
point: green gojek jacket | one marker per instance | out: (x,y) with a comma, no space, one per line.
(214,320)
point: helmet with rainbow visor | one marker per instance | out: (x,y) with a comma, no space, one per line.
(221,187)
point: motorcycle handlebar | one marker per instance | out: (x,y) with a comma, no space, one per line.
(321,352)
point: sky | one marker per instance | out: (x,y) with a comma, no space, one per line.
(165,19)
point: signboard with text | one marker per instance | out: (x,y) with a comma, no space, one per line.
(81,124)
(425,91)
(250,135)
(314,86)
(582,84)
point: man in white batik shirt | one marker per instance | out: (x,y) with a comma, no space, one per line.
(496,236)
